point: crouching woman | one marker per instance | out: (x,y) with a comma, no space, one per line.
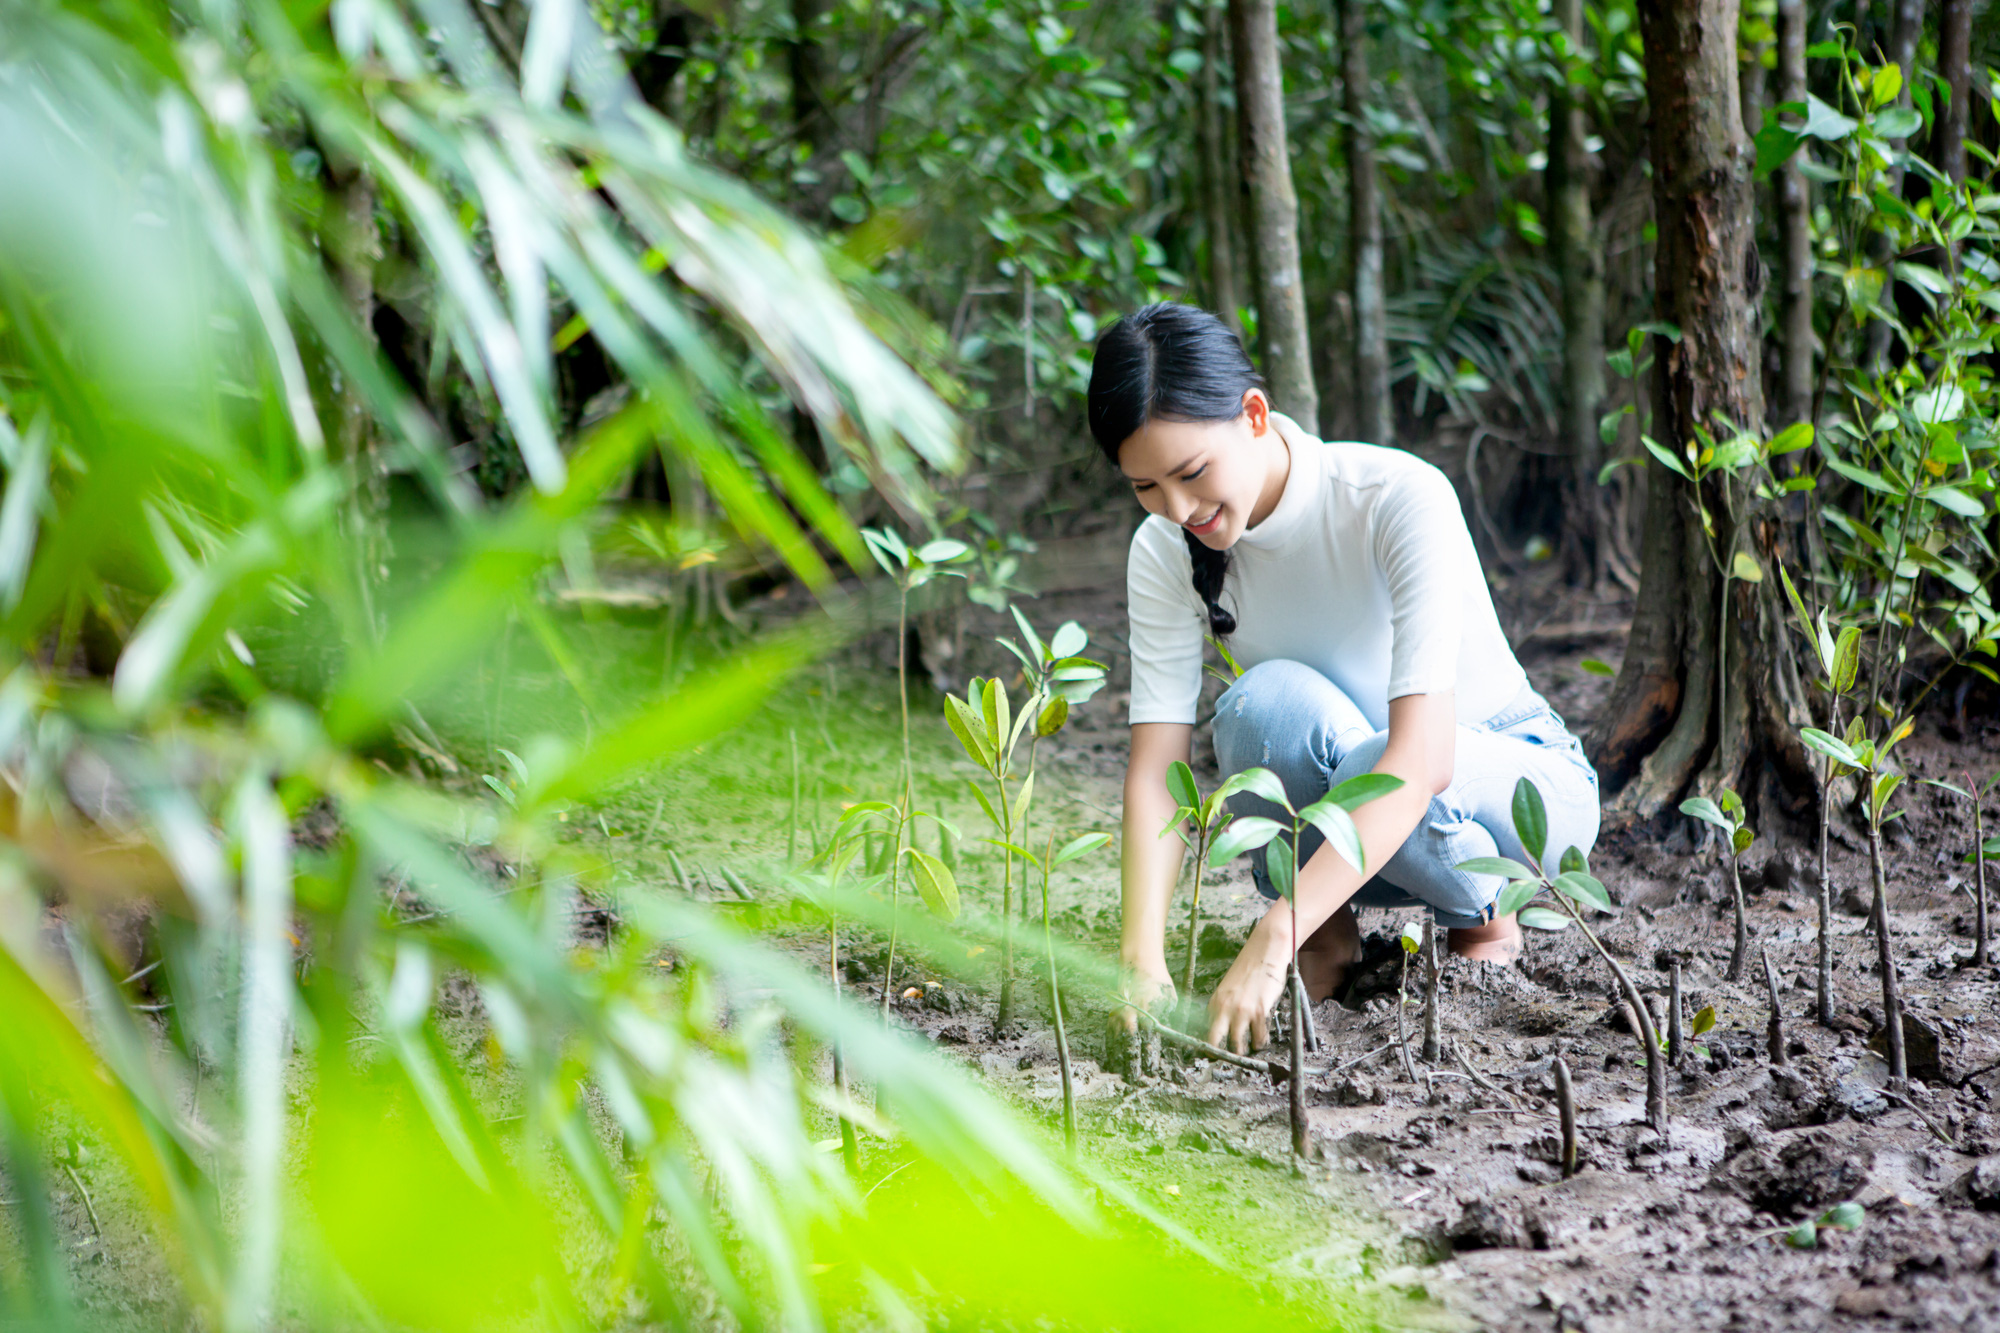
(1345,584)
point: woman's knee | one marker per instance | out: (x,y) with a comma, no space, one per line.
(1278,710)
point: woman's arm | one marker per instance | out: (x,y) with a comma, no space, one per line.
(1150,864)
(1423,734)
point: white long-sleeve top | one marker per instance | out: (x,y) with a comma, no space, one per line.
(1365,572)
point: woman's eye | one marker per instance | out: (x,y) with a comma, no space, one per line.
(1196,473)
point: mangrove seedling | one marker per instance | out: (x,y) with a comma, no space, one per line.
(935,883)
(1059,678)
(1412,940)
(1860,754)
(911,569)
(989,730)
(1727,815)
(1775,1026)
(1574,888)
(1981,849)
(1839,664)
(1841,1217)
(1433,975)
(1195,821)
(1566,1113)
(1050,858)
(1332,815)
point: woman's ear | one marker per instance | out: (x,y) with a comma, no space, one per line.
(1258,408)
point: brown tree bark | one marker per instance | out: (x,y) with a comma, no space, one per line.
(1217,197)
(1267,167)
(1661,731)
(1794,199)
(1580,273)
(1955,65)
(1374,412)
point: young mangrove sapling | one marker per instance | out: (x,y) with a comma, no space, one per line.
(1859,754)
(1195,821)
(1331,815)
(1727,815)
(1981,848)
(911,569)
(1574,888)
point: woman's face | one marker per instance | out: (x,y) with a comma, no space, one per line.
(1214,478)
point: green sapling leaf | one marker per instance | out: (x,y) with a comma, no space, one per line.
(1844,1217)
(1573,859)
(1707,811)
(1703,1020)
(1259,782)
(1594,667)
(943,551)
(1413,936)
(1244,834)
(1531,819)
(1584,889)
(1279,865)
(1515,896)
(1360,790)
(1497,865)
(969,727)
(1338,827)
(1082,845)
(1181,785)
(1054,714)
(1069,640)
(1805,1235)
(1033,640)
(1543,918)
(1739,841)
(935,883)
(1846,659)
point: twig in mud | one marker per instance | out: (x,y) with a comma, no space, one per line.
(1362,1059)
(1278,1073)
(1918,1112)
(1566,1112)
(1775,1029)
(1433,975)
(89,1208)
(1509,1110)
(1458,1054)
(1676,1038)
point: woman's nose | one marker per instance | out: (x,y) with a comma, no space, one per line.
(1176,506)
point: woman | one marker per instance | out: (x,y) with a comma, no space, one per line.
(1345,583)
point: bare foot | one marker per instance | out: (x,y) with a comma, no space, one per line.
(1496,942)
(1327,954)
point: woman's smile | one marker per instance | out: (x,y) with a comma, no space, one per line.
(1202,527)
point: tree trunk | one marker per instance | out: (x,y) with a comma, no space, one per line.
(1580,272)
(806,62)
(1955,67)
(1794,197)
(1374,413)
(1662,727)
(1217,198)
(1274,207)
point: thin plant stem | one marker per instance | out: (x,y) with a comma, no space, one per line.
(1194,907)
(903,812)
(1742,949)
(1656,1065)
(1055,1006)
(1892,989)
(1979,947)
(849,1149)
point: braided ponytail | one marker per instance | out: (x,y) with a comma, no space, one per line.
(1172,362)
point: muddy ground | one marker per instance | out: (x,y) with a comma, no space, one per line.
(1448,1187)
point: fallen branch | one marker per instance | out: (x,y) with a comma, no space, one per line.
(1278,1073)
(1458,1054)
(1918,1112)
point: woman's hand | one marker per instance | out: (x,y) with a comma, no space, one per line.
(1239,1011)
(1141,986)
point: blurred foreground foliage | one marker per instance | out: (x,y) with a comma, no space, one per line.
(229,934)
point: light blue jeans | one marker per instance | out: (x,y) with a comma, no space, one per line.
(1290,719)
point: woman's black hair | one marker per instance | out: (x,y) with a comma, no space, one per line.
(1171,362)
